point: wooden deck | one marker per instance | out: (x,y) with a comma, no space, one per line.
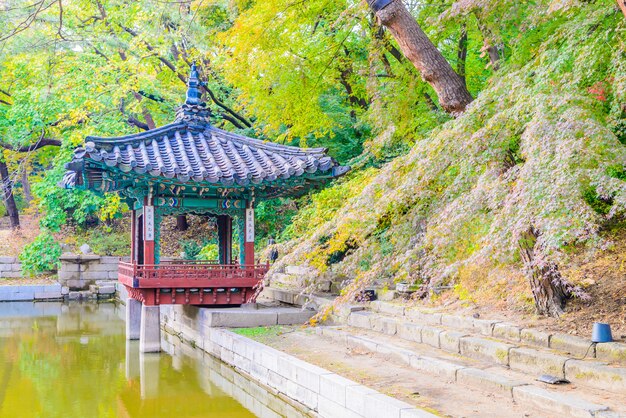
(191,282)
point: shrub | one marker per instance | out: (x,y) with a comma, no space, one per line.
(41,255)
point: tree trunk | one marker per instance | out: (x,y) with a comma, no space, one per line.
(181,223)
(462,54)
(546,283)
(415,45)
(7,195)
(28,196)
(489,47)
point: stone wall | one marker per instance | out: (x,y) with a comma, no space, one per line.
(79,271)
(10,268)
(314,388)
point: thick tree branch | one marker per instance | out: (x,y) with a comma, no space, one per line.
(43,142)
(144,111)
(131,119)
(232,120)
(225,107)
(418,48)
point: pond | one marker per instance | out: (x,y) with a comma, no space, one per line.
(60,360)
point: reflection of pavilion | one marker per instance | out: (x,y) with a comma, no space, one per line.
(208,387)
(190,166)
(171,386)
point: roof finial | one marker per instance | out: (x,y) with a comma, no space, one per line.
(194,96)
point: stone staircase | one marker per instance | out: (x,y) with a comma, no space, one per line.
(493,356)
(296,278)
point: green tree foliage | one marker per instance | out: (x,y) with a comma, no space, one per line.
(430,199)
(537,151)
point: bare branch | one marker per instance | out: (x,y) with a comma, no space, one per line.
(25,24)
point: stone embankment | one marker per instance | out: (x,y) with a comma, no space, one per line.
(494,356)
(55,292)
(10,268)
(212,372)
(315,389)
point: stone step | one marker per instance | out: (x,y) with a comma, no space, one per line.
(533,361)
(287,280)
(298,270)
(521,389)
(614,352)
(295,297)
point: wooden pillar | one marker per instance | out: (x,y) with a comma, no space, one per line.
(133,235)
(225,238)
(249,234)
(148,232)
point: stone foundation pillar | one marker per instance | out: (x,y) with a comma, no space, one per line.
(150,332)
(133,319)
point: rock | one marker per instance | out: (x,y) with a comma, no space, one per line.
(85,249)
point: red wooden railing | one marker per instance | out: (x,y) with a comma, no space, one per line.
(185,273)
(192,282)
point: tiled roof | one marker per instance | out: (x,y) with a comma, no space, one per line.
(191,150)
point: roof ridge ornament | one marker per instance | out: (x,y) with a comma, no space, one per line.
(194,112)
(194,95)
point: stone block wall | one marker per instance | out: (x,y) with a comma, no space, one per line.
(79,271)
(10,268)
(316,390)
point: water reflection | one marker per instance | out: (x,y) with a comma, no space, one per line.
(73,360)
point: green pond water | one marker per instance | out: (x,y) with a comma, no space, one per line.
(61,360)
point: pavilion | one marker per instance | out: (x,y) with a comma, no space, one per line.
(190,166)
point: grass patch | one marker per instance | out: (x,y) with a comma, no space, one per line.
(262,332)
